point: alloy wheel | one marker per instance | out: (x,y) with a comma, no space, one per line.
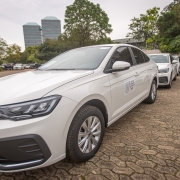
(89,134)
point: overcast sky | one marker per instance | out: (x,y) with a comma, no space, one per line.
(15,13)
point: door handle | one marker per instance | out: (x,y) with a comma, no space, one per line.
(136,74)
(150,68)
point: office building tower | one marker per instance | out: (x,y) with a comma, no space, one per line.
(51,28)
(32,34)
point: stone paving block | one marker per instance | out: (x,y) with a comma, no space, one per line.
(170,177)
(109,174)
(95,177)
(126,171)
(135,167)
(144,164)
(117,161)
(141,177)
(62,175)
(154,174)
(145,151)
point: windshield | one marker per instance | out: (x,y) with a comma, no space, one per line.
(87,58)
(176,57)
(18,64)
(159,58)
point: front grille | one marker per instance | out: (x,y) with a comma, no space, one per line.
(163,79)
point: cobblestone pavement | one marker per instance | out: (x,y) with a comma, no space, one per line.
(142,145)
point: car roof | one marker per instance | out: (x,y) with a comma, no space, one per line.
(112,45)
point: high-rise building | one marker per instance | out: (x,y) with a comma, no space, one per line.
(51,27)
(32,34)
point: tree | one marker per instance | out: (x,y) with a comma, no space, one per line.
(145,27)
(3,46)
(29,55)
(86,23)
(169,28)
(13,53)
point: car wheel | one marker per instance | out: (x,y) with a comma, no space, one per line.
(175,77)
(153,93)
(170,83)
(85,134)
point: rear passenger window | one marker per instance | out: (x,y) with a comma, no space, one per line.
(146,58)
(122,54)
(138,56)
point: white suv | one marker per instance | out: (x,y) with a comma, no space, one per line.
(61,109)
(167,68)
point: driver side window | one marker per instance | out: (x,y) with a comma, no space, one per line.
(122,54)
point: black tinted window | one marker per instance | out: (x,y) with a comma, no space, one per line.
(138,56)
(171,58)
(146,58)
(122,54)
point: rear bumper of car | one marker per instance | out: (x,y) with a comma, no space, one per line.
(35,143)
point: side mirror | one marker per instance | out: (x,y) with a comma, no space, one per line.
(119,66)
(174,61)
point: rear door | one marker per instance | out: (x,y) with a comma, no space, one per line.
(144,72)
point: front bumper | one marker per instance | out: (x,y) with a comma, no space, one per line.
(51,129)
(23,152)
(164,79)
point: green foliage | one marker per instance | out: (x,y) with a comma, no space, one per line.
(169,28)
(13,53)
(29,55)
(1,62)
(86,23)
(144,27)
(3,46)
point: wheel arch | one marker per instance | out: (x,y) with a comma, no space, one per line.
(101,106)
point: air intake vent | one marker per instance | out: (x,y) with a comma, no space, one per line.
(31,148)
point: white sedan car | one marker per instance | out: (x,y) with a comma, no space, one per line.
(18,67)
(167,68)
(61,110)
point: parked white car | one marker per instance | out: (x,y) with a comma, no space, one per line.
(61,110)
(178,63)
(18,67)
(167,68)
(27,66)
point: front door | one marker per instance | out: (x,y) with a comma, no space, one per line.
(124,89)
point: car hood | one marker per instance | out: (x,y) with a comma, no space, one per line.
(34,84)
(162,65)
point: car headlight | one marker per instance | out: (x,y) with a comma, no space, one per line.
(163,70)
(30,109)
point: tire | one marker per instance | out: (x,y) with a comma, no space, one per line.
(170,83)
(77,149)
(175,77)
(153,93)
